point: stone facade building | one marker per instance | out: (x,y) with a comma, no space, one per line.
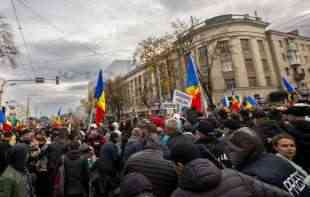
(238,53)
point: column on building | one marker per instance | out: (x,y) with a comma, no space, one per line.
(257,60)
(272,65)
(239,65)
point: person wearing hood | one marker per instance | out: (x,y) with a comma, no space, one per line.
(201,178)
(106,170)
(136,185)
(245,150)
(151,163)
(8,186)
(209,140)
(76,172)
(17,170)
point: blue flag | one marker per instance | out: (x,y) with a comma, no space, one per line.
(251,100)
(289,87)
(59,112)
(2,117)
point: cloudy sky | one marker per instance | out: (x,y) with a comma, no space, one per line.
(75,38)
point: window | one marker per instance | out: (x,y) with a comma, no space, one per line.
(226,62)
(245,44)
(249,66)
(266,66)
(302,47)
(308,47)
(202,58)
(268,80)
(284,58)
(261,48)
(224,46)
(230,84)
(280,44)
(303,70)
(287,71)
(309,70)
(306,59)
(252,81)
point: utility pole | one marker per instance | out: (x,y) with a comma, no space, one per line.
(28,107)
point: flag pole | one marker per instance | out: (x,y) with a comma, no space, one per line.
(203,93)
(90,119)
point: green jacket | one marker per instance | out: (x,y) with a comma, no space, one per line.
(15,183)
(8,187)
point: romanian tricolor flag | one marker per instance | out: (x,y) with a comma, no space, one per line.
(100,100)
(192,84)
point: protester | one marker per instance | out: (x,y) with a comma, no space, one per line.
(76,172)
(285,146)
(245,149)
(17,170)
(151,163)
(136,185)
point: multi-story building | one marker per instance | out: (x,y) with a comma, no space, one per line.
(235,52)
(291,57)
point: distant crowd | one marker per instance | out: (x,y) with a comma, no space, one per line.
(253,153)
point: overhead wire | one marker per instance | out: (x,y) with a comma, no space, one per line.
(20,29)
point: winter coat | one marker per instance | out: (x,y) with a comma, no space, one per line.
(301,131)
(106,170)
(201,178)
(75,174)
(135,184)
(246,152)
(17,171)
(275,171)
(215,147)
(133,147)
(159,171)
(178,138)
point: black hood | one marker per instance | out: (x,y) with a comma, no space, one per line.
(109,152)
(243,146)
(4,148)
(74,154)
(200,175)
(18,157)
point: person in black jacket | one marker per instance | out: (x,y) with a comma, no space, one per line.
(106,170)
(75,172)
(136,185)
(246,152)
(201,178)
(151,163)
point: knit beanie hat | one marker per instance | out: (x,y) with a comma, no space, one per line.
(184,153)
(206,127)
(135,184)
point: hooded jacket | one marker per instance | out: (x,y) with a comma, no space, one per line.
(17,170)
(201,178)
(8,186)
(152,165)
(135,184)
(75,173)
(246,152)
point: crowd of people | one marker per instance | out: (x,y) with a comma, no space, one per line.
(258,153)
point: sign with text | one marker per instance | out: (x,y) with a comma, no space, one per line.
(182,99)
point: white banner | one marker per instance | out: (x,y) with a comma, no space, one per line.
(182,99)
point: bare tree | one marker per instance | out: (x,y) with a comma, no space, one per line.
(8,50)
(115,96)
